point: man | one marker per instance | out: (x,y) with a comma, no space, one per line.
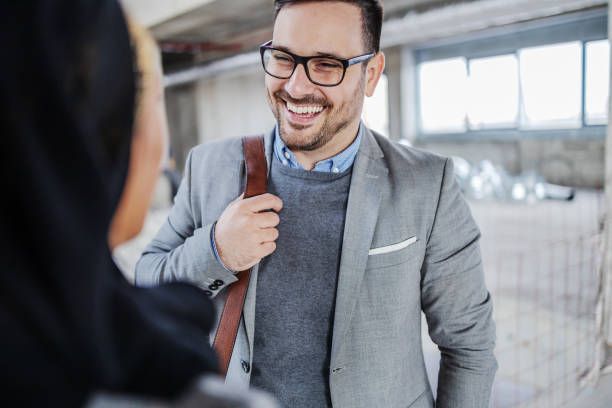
(356,236)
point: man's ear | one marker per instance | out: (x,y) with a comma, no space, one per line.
(374,70)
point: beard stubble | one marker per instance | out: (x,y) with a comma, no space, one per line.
(337,118)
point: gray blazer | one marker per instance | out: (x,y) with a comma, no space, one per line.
(410,245)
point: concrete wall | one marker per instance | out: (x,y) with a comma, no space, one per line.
(567,162)
(232,104)
(227,105)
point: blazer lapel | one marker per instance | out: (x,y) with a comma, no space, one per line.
(369,173)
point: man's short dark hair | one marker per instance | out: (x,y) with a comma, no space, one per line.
(371,17)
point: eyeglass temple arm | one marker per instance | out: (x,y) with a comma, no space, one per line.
(359,59)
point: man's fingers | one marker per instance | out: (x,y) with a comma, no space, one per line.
(267,248)
(266,219)
(268,234)
(263,202)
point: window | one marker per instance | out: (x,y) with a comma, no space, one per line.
(551,84)
(549,76)
(443,95)
(493,92)
(597,82)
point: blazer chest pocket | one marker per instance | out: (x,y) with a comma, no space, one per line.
(393,254)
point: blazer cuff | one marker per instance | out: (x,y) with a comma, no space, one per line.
(214,247)
(214,275)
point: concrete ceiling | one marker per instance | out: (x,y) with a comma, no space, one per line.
(151,12)
(197,32)
(222,18)
(193,32)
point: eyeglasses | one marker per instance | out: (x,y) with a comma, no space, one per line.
(323,71)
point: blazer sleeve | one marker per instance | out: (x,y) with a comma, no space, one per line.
(181,251)
(456,302)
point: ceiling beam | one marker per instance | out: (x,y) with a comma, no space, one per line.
(248,60)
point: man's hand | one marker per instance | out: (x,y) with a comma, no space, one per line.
(245,232)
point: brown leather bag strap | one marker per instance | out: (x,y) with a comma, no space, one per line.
(257,183)
(256,166)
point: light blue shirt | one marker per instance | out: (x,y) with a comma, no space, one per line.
(337,164)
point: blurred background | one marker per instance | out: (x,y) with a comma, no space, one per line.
(516,91)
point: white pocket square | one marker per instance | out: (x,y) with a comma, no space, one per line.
(391,248)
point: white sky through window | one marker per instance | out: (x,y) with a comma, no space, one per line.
(443,86)
(493,97)
(597,82)
(551,83)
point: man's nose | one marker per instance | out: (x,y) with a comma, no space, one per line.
(299,84)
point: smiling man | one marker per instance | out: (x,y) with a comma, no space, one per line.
(356,236)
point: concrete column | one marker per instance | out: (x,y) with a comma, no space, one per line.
(182,121)
(393,70)
(603,356)
(607,264)
(409,93)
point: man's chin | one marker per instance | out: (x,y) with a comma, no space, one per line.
(292,126)
(297,131)
(299,139)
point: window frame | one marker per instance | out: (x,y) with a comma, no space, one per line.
(583,27)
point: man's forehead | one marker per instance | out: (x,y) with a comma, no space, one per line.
(319,28)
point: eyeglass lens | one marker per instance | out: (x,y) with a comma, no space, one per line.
(324,71)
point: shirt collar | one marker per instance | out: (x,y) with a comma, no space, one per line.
(337,164)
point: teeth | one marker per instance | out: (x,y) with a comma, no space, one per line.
(300,110)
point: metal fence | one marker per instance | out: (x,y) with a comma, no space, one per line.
(542,268)
(545,313)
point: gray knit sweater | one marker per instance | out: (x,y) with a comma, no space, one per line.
(296,287)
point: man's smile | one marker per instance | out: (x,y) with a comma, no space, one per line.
(302,114)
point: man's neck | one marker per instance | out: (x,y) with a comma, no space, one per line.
(343,139)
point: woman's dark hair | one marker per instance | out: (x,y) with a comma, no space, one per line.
(371,16)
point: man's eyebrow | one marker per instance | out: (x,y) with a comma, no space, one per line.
(282,48)
(317,54)
(327,54)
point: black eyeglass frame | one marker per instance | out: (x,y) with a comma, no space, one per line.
(299,60)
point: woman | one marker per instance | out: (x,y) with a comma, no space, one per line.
(70,324)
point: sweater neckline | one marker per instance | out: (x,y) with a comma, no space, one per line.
(308,174)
